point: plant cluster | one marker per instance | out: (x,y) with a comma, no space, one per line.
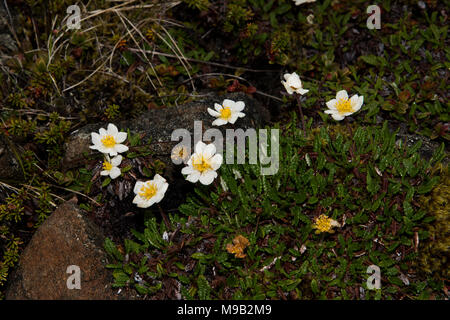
(361,181)
(145,55)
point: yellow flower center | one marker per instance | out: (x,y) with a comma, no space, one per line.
(323,224)
(200,164)
(225,113)
(108,141)
(107,166)
(182,152)
(344,106)
(148,192)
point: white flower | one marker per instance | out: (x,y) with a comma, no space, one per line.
(228,112)
(299,2)
(203,164)
(109,141)
(293,84)
(179,154)
(342,106)
(111,167)
(150,192)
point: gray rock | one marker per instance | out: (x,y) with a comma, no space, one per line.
(428,147)
(158,125)
(66,238)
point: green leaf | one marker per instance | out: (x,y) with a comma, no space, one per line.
(427,187)
(203,288)
(314,286)
(112,250)
(106,182)
(370,59)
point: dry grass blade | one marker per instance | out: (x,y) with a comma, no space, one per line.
(76,192)
(137,44)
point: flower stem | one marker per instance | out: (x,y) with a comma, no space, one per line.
(297,96)
(166,220)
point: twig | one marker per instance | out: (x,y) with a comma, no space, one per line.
(212,74)
(166,220)
(270,265)
(205,62)
(76,192)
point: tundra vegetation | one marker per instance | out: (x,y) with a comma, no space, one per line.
(348,194)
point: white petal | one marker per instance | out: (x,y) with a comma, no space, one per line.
(95,138)
(164,188)
(342,95)
(104,173)
(138,186)
(209,151)
(213,113)
(146,203)
(216,161)
(114,173)
(241,114)
(239,106)
(137,199)
(121,137)
(332,104)
(102,132)
(151,201)
(218,107)
(208,177)
(227,103)
(159,179)
(219,122)
(294,81)
(354,101)
(112,151)
(158,197)
(287,87)
(199,147)
(331,111)
(359,103)
(302,91)
(193,177)
(120,148)
(187,170)
(286,76)
(233,118)
(112,129)
(337,116)
(116,161)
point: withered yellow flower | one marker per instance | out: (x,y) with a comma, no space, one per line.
(237,248)
(325,224)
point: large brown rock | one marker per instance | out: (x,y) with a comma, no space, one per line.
(158,124)
(66,238)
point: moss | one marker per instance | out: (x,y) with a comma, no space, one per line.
(435,251)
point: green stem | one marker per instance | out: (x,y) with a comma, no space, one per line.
(297,96)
